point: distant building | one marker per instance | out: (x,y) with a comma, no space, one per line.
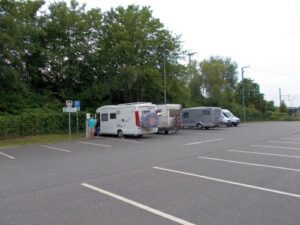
(294,111)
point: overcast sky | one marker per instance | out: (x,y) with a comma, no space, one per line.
(262,34)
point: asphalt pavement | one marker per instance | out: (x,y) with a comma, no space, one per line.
(242,175)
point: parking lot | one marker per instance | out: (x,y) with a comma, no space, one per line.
(248,174)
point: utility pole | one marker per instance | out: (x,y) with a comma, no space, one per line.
(243,83)
(165,78)
(279,97)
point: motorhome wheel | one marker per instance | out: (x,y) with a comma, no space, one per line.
(199,126)
(120,133)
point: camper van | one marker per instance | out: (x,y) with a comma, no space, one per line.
(128,119)
(169,117)
(201,117)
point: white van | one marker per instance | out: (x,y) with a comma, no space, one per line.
(128,119)
(169,117)
(201,117)
(234,120)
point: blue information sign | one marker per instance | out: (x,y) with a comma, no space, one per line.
(76,104)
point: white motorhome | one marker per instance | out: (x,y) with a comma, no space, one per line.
(169,117)
(201,117)
(128,119)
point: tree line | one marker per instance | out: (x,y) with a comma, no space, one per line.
(63,51)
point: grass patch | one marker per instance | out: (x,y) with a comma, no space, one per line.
(39,139)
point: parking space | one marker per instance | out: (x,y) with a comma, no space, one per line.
(240,175)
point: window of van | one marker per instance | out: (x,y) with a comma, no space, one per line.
(104,117)
(113,116)
(186,115)
(205,112)
(174,112)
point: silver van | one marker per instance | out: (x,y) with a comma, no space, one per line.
(234,120)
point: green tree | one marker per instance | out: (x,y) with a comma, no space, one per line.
(283,107)
(219,80)
(132,52)
(18,32)
(252,95)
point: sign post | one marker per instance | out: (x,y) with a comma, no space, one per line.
(69,110)
(76,104)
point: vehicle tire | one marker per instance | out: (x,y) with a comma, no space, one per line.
(120,134)
(166,131)
(206,128)
(235,124)
(199,126)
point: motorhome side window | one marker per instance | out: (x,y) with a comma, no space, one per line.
(104,117)
(174,112)
(113,116)
(206,112)
(186,115)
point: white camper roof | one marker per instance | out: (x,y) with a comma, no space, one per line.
(133,104)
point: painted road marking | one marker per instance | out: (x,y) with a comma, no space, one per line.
(269,146)
(262,153)
(58,149)
(296,139)
(229,182)
(138,205)
(205,141)
(285,142)
(124,140)
(250,164)
(90,143)
(6,155)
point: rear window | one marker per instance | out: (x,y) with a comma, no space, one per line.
(145,112)
(174,112)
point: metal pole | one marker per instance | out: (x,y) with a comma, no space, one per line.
(244,111)
(279,97)
(243,83)
(77,122)
(165,79)
(69,126)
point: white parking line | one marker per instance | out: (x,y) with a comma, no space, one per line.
(262,153)
(138,205)
(285,142)
(250,164)
(229,182)
(90,143)
(205,141)
(296,139)
(124,140)
(58,149)
(6,155)
(269,146)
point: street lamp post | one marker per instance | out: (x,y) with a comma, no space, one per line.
(243,83)
(165,78)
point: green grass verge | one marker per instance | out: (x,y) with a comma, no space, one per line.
(40,139)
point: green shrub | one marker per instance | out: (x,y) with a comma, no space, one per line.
(37,122)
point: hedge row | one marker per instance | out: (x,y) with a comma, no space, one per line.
(38,122)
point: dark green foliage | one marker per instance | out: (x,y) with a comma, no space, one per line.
(38,122)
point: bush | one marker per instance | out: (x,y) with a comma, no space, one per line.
(37,122)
